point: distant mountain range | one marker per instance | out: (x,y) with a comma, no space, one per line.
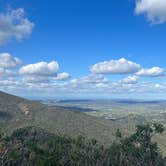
(118,101)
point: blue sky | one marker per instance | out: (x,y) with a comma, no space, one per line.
(78,34)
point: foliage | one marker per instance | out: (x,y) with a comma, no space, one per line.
(35,147)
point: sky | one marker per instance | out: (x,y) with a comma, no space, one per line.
(83,49)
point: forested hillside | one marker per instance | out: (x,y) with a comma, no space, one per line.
(36,147)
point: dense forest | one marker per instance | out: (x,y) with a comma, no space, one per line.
(35,147)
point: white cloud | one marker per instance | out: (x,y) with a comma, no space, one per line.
(158,86)
(153,72)
(6,73)
(62,76)
(35,79)
(42,78)
(90,79)
(40,69)
(77,88)
(46,79)
(121,66)
(155,10)
(130,80)
(8,61)
(42,72)
(14,25)
(10,83)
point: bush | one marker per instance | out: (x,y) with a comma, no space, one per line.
(35,147)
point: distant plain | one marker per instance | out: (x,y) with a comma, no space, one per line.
(125,113)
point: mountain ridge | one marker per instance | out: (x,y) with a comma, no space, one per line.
(25,113)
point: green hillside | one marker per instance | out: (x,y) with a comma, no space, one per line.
(16,112)
(35,147)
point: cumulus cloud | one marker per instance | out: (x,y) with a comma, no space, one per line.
(121,66)
(152,72)
(46,79)
(40,69)
(14,25)
(90,79)
(8,61)
(130,80)
(7,64)
(35,79)
(129,85)
(10,83)
(42,72)
(7,73)
(155,10)
(62,76)
(77,87)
